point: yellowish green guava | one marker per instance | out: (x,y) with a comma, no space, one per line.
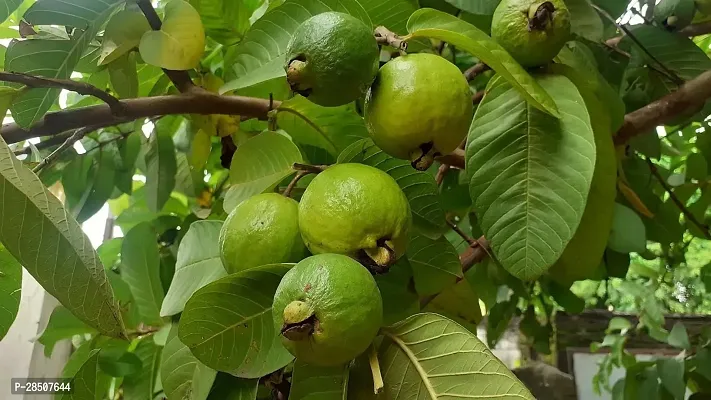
(419,106)
(532,31)
(331,59)
(328,309)
(674,14)
(263,229)
(356,210)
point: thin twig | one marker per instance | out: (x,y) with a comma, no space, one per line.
(82,88)
(474,71)
(478,97)
(687,214)
(292,184)
(77,135)
(384,36)
(461,233)
(669,73)
(441,172)
(312,169)
(636,12)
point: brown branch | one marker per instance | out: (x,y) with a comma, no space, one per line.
(77,135)
(194,102)
(312,169)
(292,184)
(45,144)
(461,233)
(68,84)
(384,36)
(181,79)
(454,159)
(687,214)
(699,29)
(474,71)
(478,97)
(690,98)
(441,172)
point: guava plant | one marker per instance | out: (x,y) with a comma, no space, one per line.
(325,198)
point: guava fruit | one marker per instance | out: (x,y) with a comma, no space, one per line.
(331,59)
(532,31)
(419,106)
(328,309)
(674,14)
(263,229)
(356,210)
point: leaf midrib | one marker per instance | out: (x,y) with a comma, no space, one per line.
(415,362)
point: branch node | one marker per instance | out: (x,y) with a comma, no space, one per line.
(384,36)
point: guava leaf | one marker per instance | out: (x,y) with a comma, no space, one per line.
(435,264)
(141,384)
(314,382)
(197,265)
(52,247)
(8,7)
(258,165)
(10,290)
(430,23)
(161,164)
(530,173)
(399,297)
(88,382)
(123,75)
(480,7)
(228,323)
(140,268)
(183,376)
(460,303)
(232,388)
(429,355)
(628,231)
(419,187)
(180,42)
(62,325)
(584,20)
(122,34)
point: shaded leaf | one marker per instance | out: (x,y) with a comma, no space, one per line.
(498,320)
(88,182)
(318,383)
(678,337)
(10,287)
(483,7)
(140,386)
(435,264)
(183,376)
(89,383)
(140,269)
(228,387)
(671,373)
(124,76)
(62,325)
(399,298)
(122,34)
(584,20)
(161,165)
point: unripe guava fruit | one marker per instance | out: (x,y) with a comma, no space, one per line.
(328,309)
(532,31)
(331,59)
(263,229)
(356,210)
(419,106)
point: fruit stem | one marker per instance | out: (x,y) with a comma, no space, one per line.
(423,157)
(294,77)
(540,15)
(378,383)
(299,321)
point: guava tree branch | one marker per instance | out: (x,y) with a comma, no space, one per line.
(68,84)
(181,79)
(192,102)
(384,36)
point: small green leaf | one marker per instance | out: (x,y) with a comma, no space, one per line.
(696,166)
(122,34)
(10,287)
(619,324)
(140,263)
(161,165)
(258,165)
(88,182)
(197,265)
(314,383)
(628,231)
(429,355)
(89,383)
(62,325)
(228,324)
(183,376)
(435,24)
(52,247)
(530,173)
(140,386)
(498,321)
(584,20)
(435,264)
(228,387)
(458,302)
(180,43)
(671,373)
(420,188)
(678,337)
(8,7)
(124,76)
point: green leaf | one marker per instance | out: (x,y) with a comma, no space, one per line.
(258,165)
(460,303)
(224,20)
(140,386)
(140,262)
(161,165)
(566,298)
(123,365)
(228,324)
(124,76)
(123,34)
(89,383)
(52,247)
(318,383)
(628,231)
(54,58)
(584,20)
(420,188)
(399,297)
(678,337)
(8,7)
(88,182)
(696,166)
(62,325)
(10,290)
(183,376)
(258,59)
(428,355)
(530,173)
(498,321)
(435,264)
(442,26)
(197,265)
(228,387)
(482,7)
(619,324)
(330,128)
(180,42)
(671,373)
(393,14)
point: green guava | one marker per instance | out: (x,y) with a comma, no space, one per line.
(419,106)
(532,31)
(356,210)
(332,59)
(328,309)
(674,14)
(263,229)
